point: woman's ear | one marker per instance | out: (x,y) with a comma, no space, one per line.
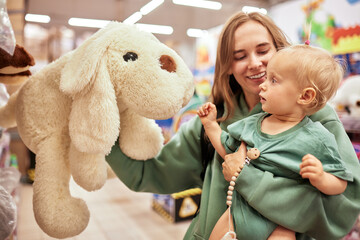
(307,96)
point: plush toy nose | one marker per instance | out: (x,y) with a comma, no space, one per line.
(167,63)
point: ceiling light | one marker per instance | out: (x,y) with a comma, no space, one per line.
(83,22)
(249,9)
(160,29)
(37,18)
(133,18)
(193,32)
(200,3)
(150,6)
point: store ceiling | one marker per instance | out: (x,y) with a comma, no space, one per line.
(179,17)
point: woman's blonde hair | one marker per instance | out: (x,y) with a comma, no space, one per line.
(317,68)
(225,86)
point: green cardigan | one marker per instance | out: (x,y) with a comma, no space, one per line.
(178,166)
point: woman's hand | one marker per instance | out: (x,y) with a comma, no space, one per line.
(233,161)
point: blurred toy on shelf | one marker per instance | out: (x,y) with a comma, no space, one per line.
(14,69)
(7,39)
(4,97)
(179,206)
(7,214)
(9,180)
(347,103)
(357,149)
(348,96)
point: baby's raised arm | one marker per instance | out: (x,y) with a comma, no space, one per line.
(207,114)
(311,168)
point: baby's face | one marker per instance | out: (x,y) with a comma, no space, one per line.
(280,92)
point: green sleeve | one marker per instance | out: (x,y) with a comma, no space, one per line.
(230,144)
(301,207)
(177,166)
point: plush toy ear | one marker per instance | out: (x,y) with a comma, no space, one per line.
(79,71)
(94,120)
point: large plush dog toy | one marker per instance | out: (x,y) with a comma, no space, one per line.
(72,111)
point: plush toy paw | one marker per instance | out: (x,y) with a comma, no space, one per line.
(149,143)
(60,216)
(88,170)
(140,138)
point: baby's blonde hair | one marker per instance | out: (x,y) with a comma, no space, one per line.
(317,68)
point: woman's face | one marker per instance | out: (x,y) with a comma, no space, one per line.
(253,49)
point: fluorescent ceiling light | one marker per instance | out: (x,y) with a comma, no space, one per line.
(150,6)
(133,18)
(160,29)
(200,3)
(193,32)
(83,22)
(249,9)
(37,18)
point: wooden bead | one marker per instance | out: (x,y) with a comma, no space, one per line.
(253,153)
(229,193)
(231,188)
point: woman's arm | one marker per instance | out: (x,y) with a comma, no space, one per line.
(176,168)
(326,217)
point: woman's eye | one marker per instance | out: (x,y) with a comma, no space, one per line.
(263,52)
(130,56)
(273,80)
(239,58)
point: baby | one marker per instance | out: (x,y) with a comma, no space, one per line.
(300,80)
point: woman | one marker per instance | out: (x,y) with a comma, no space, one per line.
(245,46)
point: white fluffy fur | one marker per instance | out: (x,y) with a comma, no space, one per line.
(348,95)
(69,114)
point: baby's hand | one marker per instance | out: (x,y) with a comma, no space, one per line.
(311,168)
(207,112)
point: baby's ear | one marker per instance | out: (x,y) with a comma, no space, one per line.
(307,96)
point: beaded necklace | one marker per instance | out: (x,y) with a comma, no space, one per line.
(252,153)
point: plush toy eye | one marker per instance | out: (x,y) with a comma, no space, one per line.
(130,56)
